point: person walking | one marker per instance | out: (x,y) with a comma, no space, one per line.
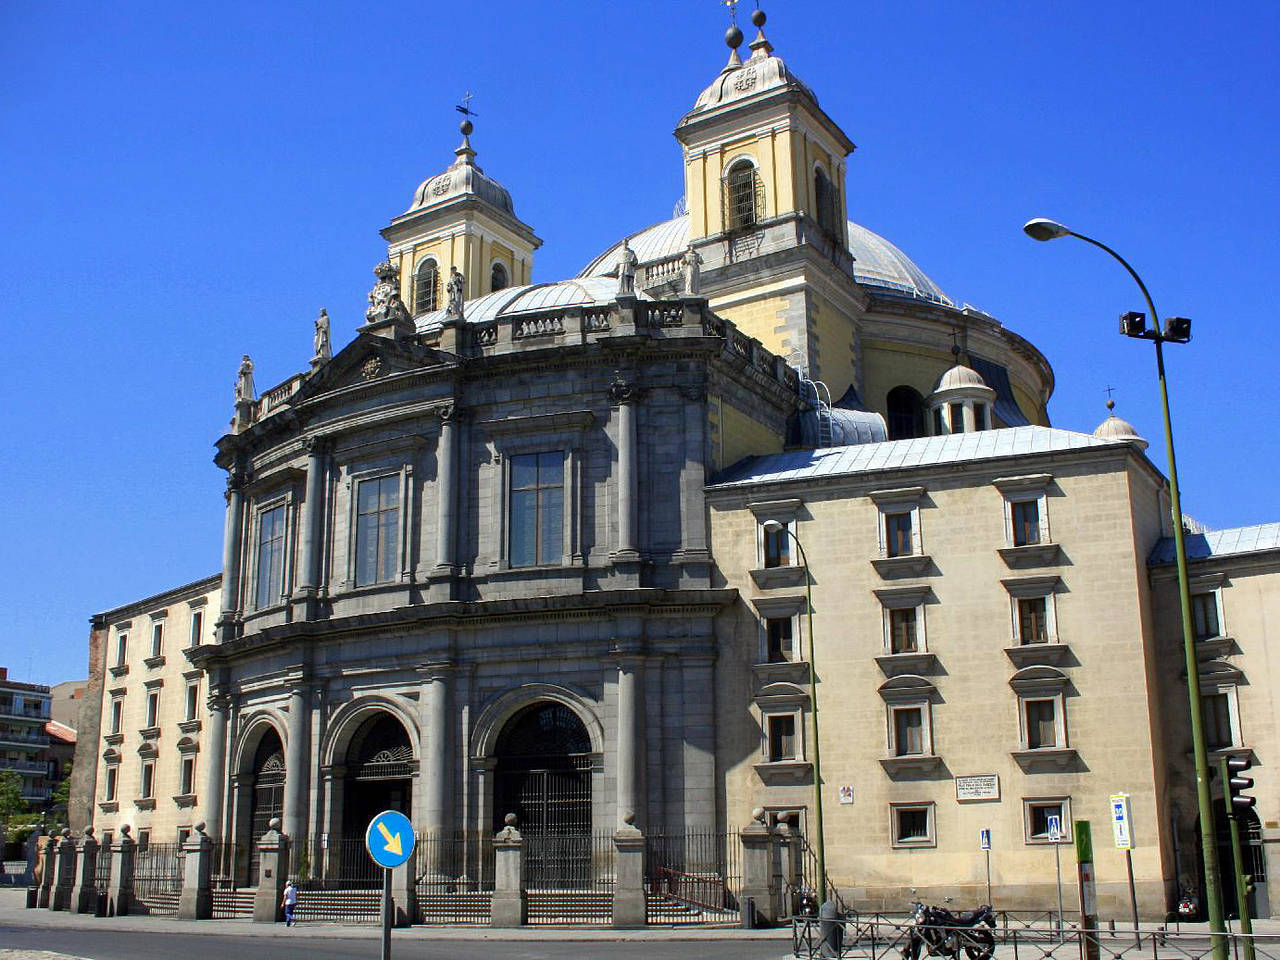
(290,902)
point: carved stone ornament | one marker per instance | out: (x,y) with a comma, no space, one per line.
(442,184)
(620,391)
(745,80)
(371,368)
(384,299)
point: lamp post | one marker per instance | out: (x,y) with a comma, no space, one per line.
(775,526)
(1176,330)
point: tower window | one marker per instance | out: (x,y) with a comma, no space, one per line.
(827,202)
(906,413)
(498,278)
(426,283)
(740,187)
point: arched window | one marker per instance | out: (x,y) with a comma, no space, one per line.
(426,282)
(498,278)
(906,413)
(825,199)
(740,195)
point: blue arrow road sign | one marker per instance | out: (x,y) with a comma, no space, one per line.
(389,839)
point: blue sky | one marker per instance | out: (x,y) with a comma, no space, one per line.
(184,183)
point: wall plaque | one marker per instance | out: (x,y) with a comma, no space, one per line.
(983,786)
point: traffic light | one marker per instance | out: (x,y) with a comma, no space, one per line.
(1248,884)
(1237,784)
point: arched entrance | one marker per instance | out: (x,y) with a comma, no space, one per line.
(542,772)
(379,768)
(266,797)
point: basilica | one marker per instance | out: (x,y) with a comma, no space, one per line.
(748,522)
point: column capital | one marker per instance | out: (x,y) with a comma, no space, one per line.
(432,670)
(316,445)
(623,391)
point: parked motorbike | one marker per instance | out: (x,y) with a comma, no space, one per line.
(940,933)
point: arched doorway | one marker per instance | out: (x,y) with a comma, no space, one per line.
(266,798)
(543,771)
(905,408)
(379,769)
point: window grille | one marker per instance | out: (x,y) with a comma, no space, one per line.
(498,278)
(743,196)
(426,284)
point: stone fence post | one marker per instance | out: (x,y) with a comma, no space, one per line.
(196,900)
(48,854)
(273,860)
(84,894)
(790,864)
(510,899)
(629,907)
(757,868)
(65,877)
(120,890)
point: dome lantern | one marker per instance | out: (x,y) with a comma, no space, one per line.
(961,402)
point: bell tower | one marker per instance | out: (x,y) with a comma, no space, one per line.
(460,219)
(758,147)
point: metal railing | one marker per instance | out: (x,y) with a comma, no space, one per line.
(569,877)
(157,877)
(693,877)
(454,877)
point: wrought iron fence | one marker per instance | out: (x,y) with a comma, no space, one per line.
(337,881)
(454,877)
(570,877)
(157,877)
(693,877)
(228,880)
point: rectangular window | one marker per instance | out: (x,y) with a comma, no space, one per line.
(377,530)
(183,836)
(937,422)
(1219,731)
(153,708)
(778,633)
(957,418)
(117,714)
(1033,624)
(1039,817)
(898,540)
(148,784)
(782,737)
(912,825)
(157,638)
(1025,515)
(187,776)
(1204,614)
(144,840)
(270,557)
(113,778)
(908,731)
(980,416)
(903,637)
(777,548)
(537,509)
(197,627)
(1042,725)
(193,700)
(122,649)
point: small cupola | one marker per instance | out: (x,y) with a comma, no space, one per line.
(460,220)
(961,402)
(1115,428)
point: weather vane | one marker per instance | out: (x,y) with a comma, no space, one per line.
(733,9)
(465,106)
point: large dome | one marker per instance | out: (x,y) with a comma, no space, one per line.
(876,261)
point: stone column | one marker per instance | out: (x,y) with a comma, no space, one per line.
(312,533)
(214,755)
(120,888)
(273,865)
(434,751)
(48,860)
(627,769)
(446,492)
(65,878)
(230,608)
(629,909)
(196,900)
(296,775)
(623,395)
(84,893)
(757,868)
(693,520)
(510,900)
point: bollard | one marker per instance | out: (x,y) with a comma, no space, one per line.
(831,929)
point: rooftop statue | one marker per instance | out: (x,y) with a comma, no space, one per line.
(245,392)
(627,261)
(692,260)
(453,287)
(384,299)
(323,348)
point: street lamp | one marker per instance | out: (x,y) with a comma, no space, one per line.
(1176,330)
(776,526)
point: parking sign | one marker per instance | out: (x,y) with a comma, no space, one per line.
(1121,825)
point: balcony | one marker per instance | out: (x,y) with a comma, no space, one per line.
(9,738)
(30,767)
(8,713)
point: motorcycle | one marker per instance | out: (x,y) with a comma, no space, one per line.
(941,933)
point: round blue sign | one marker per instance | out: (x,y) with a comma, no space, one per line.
(389,839)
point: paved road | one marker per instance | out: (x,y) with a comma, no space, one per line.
(275,944)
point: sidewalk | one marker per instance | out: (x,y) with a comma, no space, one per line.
(13,912)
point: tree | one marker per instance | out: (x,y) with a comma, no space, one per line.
(11,801)
(62,792)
